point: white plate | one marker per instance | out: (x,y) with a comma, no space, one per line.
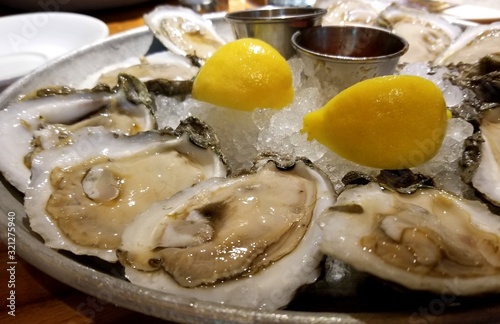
(474,13)
(28,41)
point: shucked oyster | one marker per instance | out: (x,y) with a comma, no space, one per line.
(83,195)
(45,121)
(480,161)
(428,34)
(183,31)
(162,72)
(163,65)
(473,44)
(351,12)
(250,240)
(429,240)
(482,157)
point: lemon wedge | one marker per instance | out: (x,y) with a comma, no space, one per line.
(245,74)
(389,122)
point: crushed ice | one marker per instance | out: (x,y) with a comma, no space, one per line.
(244,134)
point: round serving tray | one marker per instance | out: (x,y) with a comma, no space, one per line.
(106,282)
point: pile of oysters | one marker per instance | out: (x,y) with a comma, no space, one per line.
(100,179)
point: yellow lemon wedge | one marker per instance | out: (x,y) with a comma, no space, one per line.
(245,74)
(389,122)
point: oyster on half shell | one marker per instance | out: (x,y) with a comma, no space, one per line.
(47,120)
(249,240)
(428,240)
(82,195)
(162,72)
(162,65)
(183,31)
(481,157)
(428,34)
(352,12)
(473,44)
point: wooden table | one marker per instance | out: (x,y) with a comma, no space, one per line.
(40,298)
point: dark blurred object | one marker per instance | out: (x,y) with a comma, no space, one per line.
(201,6)
(67,5)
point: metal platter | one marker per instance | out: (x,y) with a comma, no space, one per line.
(106,281)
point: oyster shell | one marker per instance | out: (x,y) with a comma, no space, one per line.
(352,12)
(480,82)
(163,65)
(473,44)
(82,195)
(183,31)
(428,34)
(481,157)
(46,121)
(249,240)
(429,240)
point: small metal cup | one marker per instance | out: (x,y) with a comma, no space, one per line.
(291,3)
(275,26)
(345,55)
(200,5)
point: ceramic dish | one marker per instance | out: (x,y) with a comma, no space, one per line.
(106,282)
(28,41)
(479,14)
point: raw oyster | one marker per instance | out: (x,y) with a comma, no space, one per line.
(481,158)
(47,119)
(249,240)
(82,195)
(480,81)
(428,34)
(163,65)
(183,31)
(473,44)
(352,12)
(429,240)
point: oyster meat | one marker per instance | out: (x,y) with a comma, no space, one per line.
(82,195)
(481,158)
(183,31)
(47,119)
(249,240)
(473,44)
(428,34)
(429,240)
(162,65)
(352,12)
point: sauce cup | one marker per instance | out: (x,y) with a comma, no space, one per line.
(274,25)
(341,56)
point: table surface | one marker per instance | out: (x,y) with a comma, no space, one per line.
(39,297)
